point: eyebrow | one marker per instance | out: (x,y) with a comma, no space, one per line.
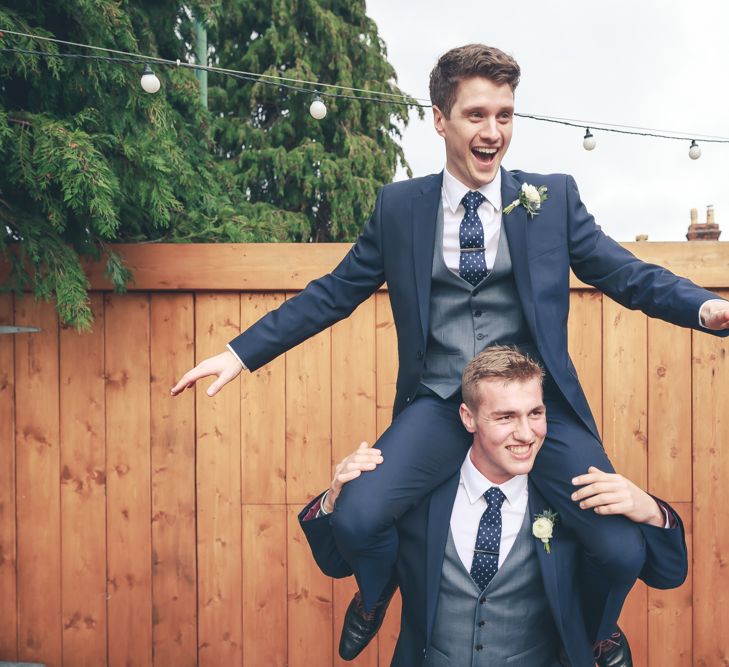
(502,413)
(480,107)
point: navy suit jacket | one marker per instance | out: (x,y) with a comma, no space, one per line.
(397,246)
(423,532)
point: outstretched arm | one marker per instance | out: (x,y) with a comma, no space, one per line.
(323,302)
(600,261)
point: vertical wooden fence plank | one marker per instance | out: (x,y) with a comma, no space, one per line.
(386,364)
(625,399)
(669,415)
(263,416)
(217,320)
(264,585)
(310,601)
(38,485)
(8,563)
(129,549)
(585,345)
(308,418)
(83,492)
(174,593)
(354,419)
(625,405)
(669,613)
(308,468)
(711,499)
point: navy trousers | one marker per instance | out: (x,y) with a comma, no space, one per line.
(426,444)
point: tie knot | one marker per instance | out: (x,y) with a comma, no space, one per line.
(495,497)
(472,200)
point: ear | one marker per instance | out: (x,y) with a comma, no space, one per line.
(467,417)
(438,121)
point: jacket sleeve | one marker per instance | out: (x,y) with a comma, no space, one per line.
(666,564)
(601,262)
(323,301)
(320,537)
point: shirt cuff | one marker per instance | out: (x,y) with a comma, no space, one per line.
(701,323)
(245,368)
(314,510)
(669,516)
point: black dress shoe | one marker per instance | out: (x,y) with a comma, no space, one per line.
(614,651)
(360,626)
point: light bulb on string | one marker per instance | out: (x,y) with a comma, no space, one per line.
(694,150)
(588,141)
(318,109)
(150,82)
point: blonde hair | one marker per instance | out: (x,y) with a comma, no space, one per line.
(501,362)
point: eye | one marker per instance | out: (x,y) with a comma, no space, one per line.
(475,115)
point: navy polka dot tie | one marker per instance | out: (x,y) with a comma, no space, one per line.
(472,265)
(486,554)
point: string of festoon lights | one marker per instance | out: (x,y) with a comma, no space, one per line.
(319,91)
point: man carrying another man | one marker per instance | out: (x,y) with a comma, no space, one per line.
(488,574)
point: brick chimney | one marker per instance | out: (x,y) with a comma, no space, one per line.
(708,231)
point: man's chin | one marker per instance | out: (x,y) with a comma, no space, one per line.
(522,463)
(483,175)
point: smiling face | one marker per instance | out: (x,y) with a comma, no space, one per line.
(478,131)
(509,427)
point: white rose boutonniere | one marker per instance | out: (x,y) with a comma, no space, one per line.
(530,197)
(543,527)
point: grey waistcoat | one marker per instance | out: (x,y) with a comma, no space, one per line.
(465,319)
(510,621)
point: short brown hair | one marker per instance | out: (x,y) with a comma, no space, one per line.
(465,62)
(500,362)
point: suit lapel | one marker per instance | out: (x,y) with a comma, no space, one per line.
(515,223)
(424,216)
(547,561)
(439,521)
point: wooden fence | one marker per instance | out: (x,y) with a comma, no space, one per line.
(137,529)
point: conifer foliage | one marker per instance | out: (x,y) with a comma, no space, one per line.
(88,158)
(328,170)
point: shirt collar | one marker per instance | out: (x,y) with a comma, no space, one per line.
(453,191)
(476,484)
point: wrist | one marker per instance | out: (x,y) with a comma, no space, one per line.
(656,516)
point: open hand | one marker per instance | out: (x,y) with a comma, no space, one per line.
(224,365)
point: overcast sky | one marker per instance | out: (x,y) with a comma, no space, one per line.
(642,63)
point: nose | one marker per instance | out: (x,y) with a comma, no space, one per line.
(522,430)
(488,131)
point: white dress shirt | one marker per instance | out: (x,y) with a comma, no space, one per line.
(453,211)
(470,505)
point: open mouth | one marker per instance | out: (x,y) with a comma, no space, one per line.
(521,451)
(485,156)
